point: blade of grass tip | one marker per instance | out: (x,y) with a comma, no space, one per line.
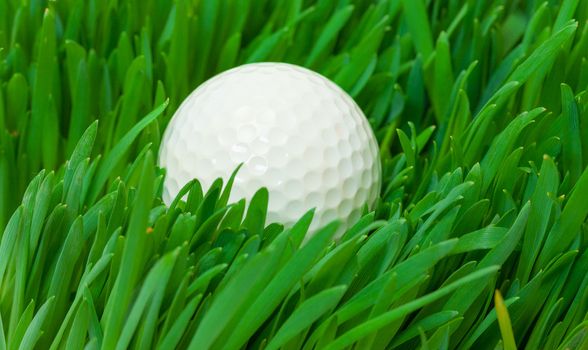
(89,176)
(455,196)
(34,331)
(423,138)
(224,197)
(474,136)
(83,150)
(132,173)
(299,230)
(201,283)
(540,58)
(306,314)
(207,229)
(132,257)
(256,213)
(115,155)
(207,204)
(230,243)
(544,55)
(503,144)
(192,185)
(180,232)
(74,195)
(485,238)
(358,227)
(376,245)
(457,19)
(105,205)
(376,323)
(566,13)
(407,148)
(504,322)
(210,259)
(472,217)
(234,216)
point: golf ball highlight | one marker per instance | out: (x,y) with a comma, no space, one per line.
(296,133)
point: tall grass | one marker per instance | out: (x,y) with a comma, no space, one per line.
(479,238)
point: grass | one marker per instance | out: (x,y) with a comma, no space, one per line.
(478,241)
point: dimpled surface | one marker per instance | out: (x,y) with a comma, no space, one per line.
(297,133)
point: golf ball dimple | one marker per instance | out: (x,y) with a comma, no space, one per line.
(297,133)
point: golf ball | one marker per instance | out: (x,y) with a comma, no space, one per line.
(297,133)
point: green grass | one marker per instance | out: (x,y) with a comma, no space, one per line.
(478,241)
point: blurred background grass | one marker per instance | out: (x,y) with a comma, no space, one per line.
(64,64)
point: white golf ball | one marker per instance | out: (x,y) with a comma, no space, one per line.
(296,133)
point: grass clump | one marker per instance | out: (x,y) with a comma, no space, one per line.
(478,239)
